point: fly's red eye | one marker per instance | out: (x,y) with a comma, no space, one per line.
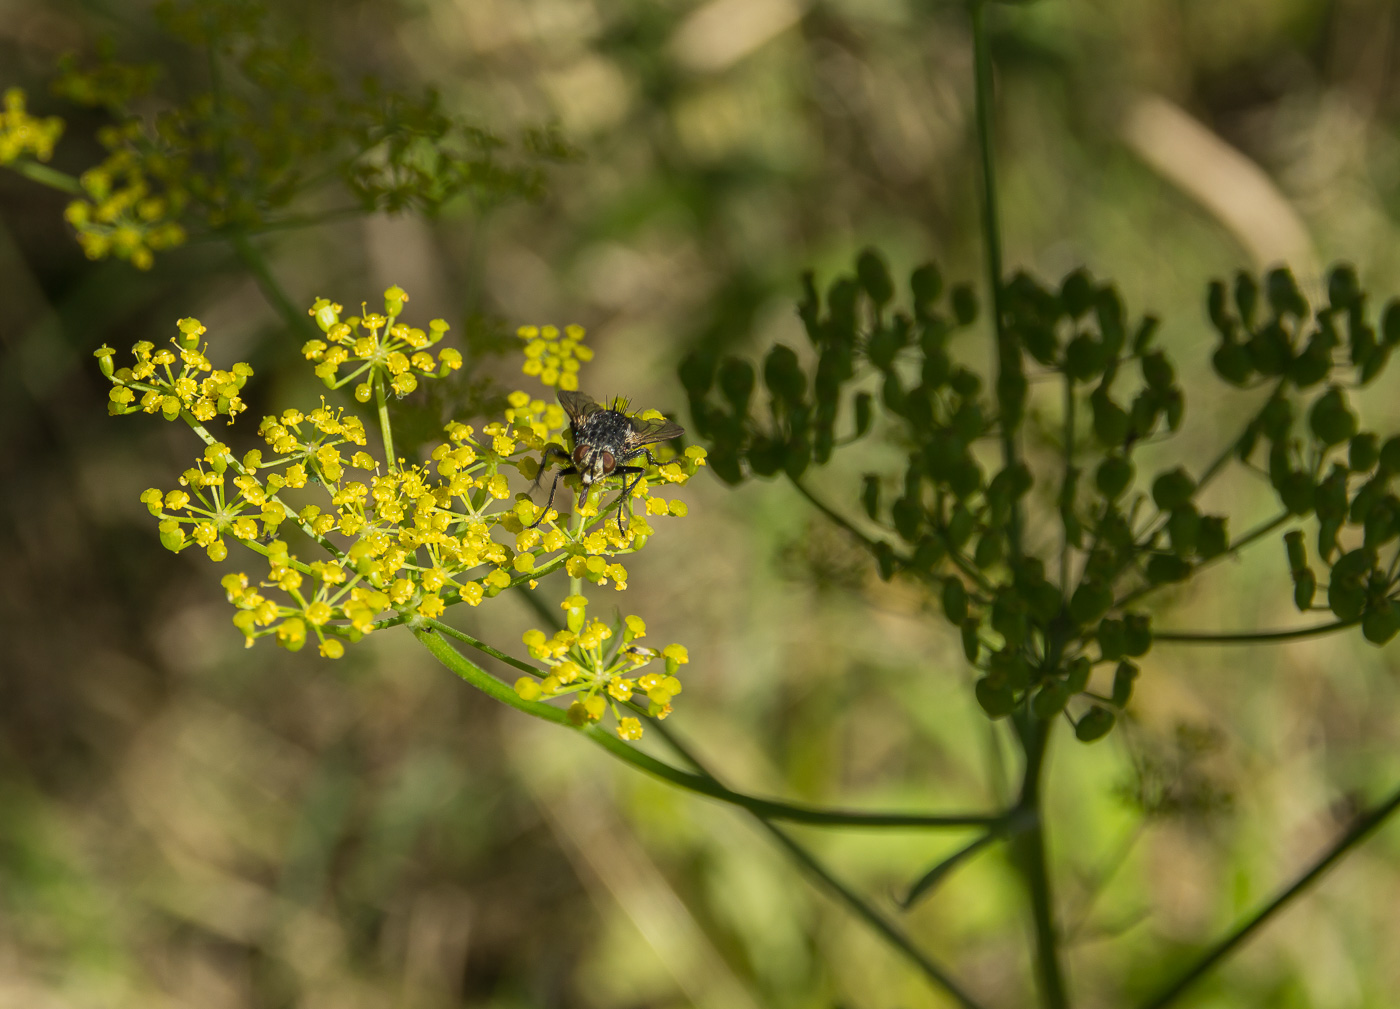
(608,462)
(579,454)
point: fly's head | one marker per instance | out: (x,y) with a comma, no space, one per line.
(602,442)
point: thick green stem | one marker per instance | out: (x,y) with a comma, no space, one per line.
(430,632)
(1034,864)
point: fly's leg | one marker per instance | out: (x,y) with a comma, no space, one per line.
(566,471)
(626,471)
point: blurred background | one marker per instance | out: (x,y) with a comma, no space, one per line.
(186,823)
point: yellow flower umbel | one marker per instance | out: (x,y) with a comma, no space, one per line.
(603,666)
(354,540)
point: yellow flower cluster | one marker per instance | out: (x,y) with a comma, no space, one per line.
(603,666)
(22,134)
(554,358)
(380,345)
(133,203)
(198,387)
(398,540)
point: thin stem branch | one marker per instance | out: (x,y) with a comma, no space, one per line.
(296,319)
(1249,637)
(1359,831)
(1008,352)
(877,921)
(1249,538)
(46,176)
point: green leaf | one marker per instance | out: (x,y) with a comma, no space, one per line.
(954,601)
(783,376)
(925,284)
(884,560)
(697,374)
(1343,289)
(1157,371)
(1138,634)
(1163,569)
(874,276)
(1330,418)
(988,552)
(1284,296)
(1212,539)
(870,495)
(1085,358)
(1113,476)
(964,304)
(1110,419)
(1123,678)
(1304,589)
(908,516)
(736,381)
(1090,601)
(1173,489)
(972,645)
(1297,551)
(1246,297)
(1232,363)
(1049,701)
(1077,293)
(1113,639)
(1381,623)
(862,408)
(996,699)
(1096,723)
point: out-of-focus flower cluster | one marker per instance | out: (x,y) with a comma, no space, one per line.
(238,157)
(392,539)
(603,665)
(23,135)
(132,200)
(552,357)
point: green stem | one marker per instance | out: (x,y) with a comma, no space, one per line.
(872,917)
(857,904)
(1009,369)
(429,633)
(1249,637)
(386,430)
(1358,833)
(1255,534)
(1034,863)
(249,255)
(46,176)
(1068,505)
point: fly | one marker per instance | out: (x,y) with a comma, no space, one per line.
(605,439)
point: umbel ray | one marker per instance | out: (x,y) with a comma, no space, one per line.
(604,440)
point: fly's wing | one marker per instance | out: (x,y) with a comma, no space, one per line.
(578,405)
(648,432)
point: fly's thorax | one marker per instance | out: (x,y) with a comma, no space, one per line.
(600,442)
